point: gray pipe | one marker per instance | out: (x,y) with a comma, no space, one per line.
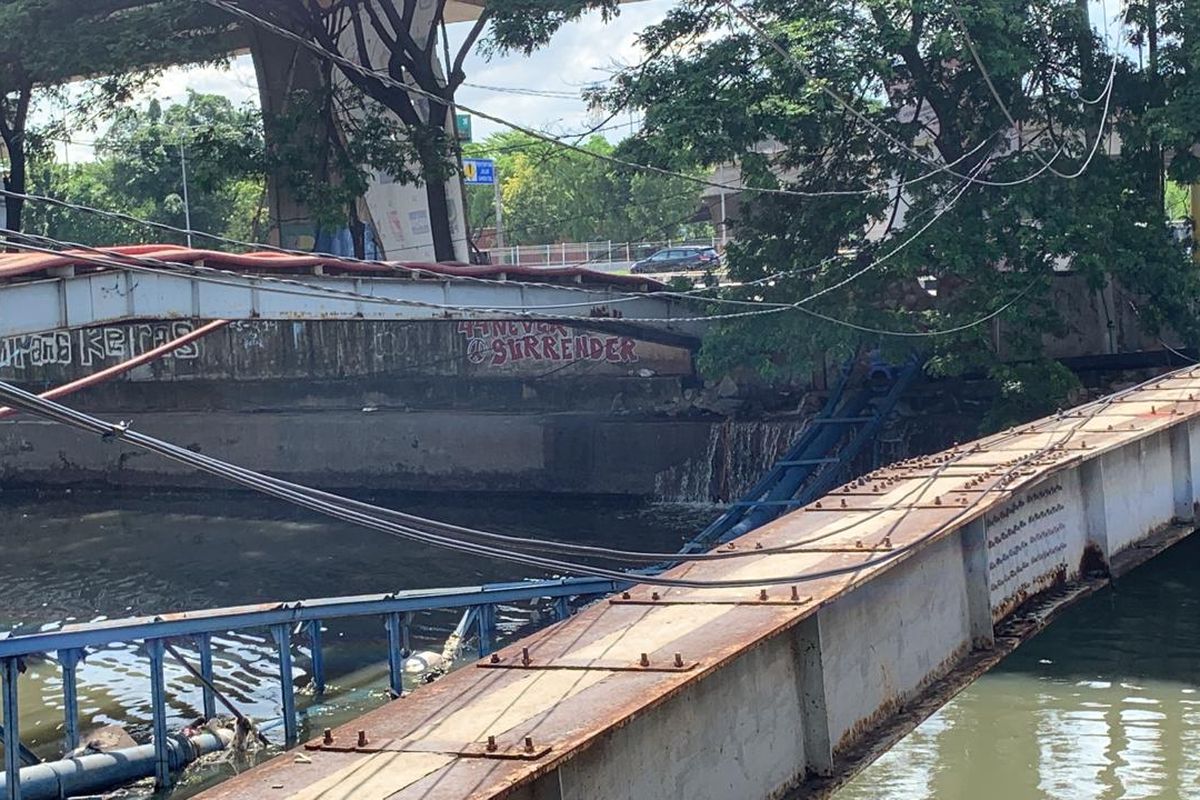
(100,772)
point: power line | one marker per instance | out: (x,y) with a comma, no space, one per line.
(387,80)
(205,273)
(762,34)
(340,510)
(157,263)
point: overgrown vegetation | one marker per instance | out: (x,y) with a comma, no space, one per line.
(719,91)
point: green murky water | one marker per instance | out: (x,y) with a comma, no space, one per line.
(1103,704)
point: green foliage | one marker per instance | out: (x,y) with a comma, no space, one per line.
(1178,200)
(525,25)
(138,171)
(554,195)
(117,44)
(713,96)
(1028,391)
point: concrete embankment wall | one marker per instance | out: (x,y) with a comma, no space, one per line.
(411,406)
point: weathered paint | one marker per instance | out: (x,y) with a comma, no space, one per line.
(790,691)
(259,350)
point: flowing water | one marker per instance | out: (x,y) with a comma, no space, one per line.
(1102,705)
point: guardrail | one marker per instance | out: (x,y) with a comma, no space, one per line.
(70,644)
(570,253)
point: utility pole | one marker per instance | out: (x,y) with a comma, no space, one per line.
(499,210)
(187,206)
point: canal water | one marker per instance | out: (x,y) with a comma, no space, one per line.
(82,556)
(1104,704)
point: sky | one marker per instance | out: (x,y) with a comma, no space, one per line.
(583,52)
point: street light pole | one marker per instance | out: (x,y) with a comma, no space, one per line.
(499,209)
(187,206)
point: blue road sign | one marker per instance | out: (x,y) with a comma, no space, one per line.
(479,170)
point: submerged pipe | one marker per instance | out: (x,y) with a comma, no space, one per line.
(99,772)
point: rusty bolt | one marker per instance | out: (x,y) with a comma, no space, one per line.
(937,501)
(795,594)
(654,595)
(758,546)
(625,595)
(495,658)
(762,595)
(525,659)
(528,744)
(328,738)
(644,660)
(843,502)
(858,543)
(491,744)
(362,738)
(817,504)
(887,542)
(679,661)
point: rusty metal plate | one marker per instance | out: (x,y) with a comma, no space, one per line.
(607,665)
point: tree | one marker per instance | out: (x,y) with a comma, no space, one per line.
(761,97)
(119,43)
(400,39)
(138,171)
(555,195)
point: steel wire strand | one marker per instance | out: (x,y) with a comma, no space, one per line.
(622,297)
(263,484)
(762,34)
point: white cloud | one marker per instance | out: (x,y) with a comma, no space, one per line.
(583,52)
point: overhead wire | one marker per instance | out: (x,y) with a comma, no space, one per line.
(206,273)
(872,125)
(387,80)
(54,411)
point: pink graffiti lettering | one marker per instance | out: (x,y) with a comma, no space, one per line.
(509,341)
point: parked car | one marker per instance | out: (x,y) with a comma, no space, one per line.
(679,258)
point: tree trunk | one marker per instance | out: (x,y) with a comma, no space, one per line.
(433,167)
(439,220)
(15,182)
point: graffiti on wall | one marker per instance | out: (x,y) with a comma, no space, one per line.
(93,345)
(497,343)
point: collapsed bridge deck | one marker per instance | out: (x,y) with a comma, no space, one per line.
(757,691)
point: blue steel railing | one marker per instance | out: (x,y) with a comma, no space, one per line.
(71,643)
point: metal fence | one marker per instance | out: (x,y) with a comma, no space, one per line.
(566,254)
(304,618)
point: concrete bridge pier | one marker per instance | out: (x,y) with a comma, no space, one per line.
(286,71)
(396,216)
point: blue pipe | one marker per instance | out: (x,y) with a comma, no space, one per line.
(101,772)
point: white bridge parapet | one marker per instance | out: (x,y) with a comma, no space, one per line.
(950,562)
(117,295)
